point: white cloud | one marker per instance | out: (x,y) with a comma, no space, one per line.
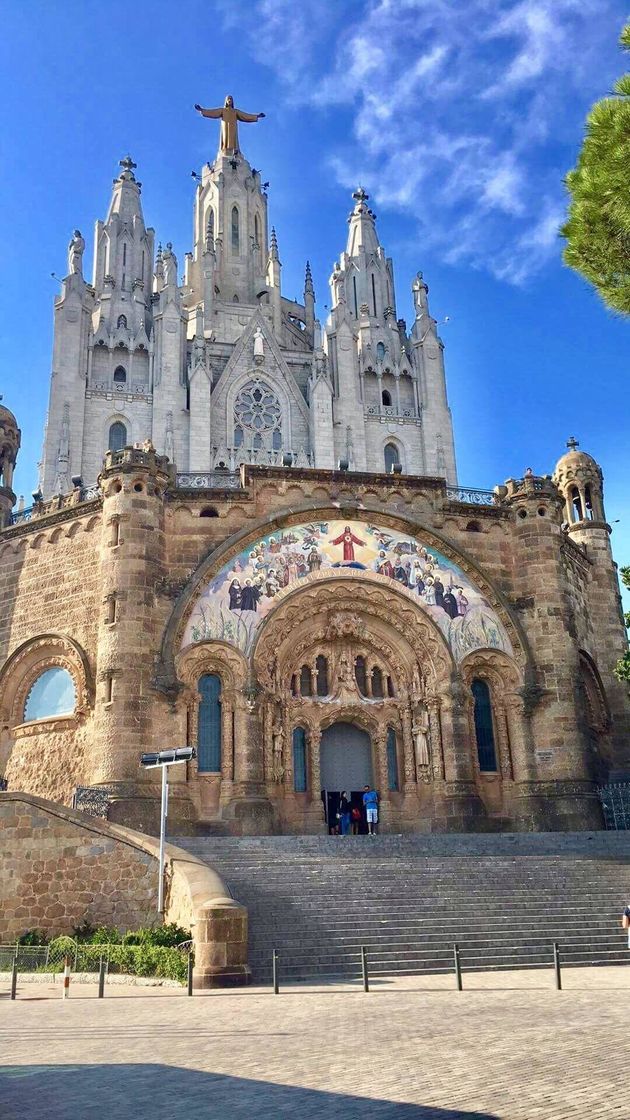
(460,117)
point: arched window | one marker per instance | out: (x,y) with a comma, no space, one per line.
(576,505)
(210,225)
(321,667)
(122,325)
(306,681)
(209,729)
(236,236)
(377,683)
(276,441)
(258,238)
(300,783)
(588,502)
(209,511)
(238,436)
(360,675)
(386,398)
(117,438)
(484,727)
(392,760)
(390,688)
(52,694)
(380,351)
(120,375)
(392,458)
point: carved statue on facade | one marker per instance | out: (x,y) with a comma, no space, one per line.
(420,731)
(259,346)
(75,254)
(277,766)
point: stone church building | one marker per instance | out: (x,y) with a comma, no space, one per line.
(249,536)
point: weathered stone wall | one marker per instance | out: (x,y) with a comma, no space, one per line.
(59,868)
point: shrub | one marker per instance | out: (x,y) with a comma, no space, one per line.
(159,936)
(33,937)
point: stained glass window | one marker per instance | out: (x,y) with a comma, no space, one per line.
(209,733)
(484,729)
(300,783)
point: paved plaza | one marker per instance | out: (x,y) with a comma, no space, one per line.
(510,1047)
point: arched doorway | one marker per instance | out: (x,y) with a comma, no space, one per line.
(345,764)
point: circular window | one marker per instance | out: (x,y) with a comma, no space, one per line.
(257,413)
(522,513)
(52,694)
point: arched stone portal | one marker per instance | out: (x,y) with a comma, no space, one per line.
(345,758)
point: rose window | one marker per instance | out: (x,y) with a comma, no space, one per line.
(257,416)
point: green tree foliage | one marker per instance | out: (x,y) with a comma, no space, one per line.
(598,227)
(623,667)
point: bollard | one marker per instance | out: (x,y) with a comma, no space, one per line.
(191,961)
(14,974)
(66,977)
(101,978)
(274,966)
(458,967)
(364,969)
(556,965)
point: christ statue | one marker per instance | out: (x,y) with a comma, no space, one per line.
(229,117)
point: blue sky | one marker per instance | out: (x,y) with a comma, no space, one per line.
(459,119)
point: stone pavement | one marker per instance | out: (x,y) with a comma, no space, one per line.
(507,1048)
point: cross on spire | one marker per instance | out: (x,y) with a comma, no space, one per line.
(572,443)
(360,195)
(128,166)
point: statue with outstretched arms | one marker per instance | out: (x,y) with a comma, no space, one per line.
(229,117)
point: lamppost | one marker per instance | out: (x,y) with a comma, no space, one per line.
(164,759)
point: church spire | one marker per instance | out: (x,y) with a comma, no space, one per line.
(309,300)
(362,232)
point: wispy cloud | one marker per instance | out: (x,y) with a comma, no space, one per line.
(462,116)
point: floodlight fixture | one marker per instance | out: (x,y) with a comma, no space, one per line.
(162,760)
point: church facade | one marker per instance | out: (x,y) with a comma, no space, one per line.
(249,537)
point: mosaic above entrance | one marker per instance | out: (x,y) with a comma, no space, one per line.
(234,603)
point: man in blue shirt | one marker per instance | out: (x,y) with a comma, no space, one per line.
(370,803)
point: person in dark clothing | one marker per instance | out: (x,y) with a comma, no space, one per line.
(438,588)
(344,813)
(449,602)
(249,596)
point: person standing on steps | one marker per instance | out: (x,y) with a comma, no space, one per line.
(344,814)
(370,802)
(625,921)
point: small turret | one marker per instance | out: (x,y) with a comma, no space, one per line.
(580,481)
(10,439)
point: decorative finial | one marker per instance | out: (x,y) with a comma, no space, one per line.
(572,443)
(128,166)
(274,244)
(360,195)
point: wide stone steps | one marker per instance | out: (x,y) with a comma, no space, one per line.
(503,899)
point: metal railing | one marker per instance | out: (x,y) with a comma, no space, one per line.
(52,505)
(470,495)
(615,800)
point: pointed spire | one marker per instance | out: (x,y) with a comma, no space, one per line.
(273,250)
(308,279)
(362,232)
(126,194)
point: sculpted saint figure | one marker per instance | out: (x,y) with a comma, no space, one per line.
(278,749)
(421,737)
(75,254)
(229,117)
(259,343)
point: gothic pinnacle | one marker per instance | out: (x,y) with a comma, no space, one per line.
(308,278)
(273,251)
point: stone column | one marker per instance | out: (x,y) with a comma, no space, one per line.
(409,755)
(458,806)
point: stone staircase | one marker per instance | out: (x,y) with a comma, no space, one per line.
(504,899)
